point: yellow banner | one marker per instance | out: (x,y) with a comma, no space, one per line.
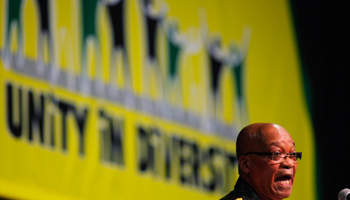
(140,99)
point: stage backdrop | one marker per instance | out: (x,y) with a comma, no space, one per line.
(141,99)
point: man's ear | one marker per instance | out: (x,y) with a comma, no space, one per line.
(244,164)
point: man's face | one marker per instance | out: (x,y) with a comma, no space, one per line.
(269,179)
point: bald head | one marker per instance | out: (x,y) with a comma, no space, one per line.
(253,136)
(270,179)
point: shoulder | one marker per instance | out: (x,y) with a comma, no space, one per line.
(231,198)
(233,195)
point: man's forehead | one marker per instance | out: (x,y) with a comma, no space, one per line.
(273,136)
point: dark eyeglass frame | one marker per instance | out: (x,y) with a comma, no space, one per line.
(278,155)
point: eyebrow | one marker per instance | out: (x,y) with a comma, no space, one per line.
(277,143)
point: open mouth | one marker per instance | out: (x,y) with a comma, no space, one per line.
(284,180)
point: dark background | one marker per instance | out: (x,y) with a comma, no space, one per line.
(323,48)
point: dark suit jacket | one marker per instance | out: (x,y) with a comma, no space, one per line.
(242,190)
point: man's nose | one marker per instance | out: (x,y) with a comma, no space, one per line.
(287,162)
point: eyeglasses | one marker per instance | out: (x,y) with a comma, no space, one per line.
(279,157)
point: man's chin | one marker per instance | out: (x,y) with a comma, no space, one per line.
(283,191)
(283,194)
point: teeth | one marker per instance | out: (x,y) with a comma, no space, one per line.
(284,181)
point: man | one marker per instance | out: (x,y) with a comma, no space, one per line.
(267,163)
